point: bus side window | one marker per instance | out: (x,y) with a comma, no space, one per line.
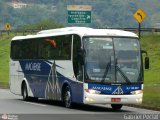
(14,50)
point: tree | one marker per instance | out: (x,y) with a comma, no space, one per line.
(44,24)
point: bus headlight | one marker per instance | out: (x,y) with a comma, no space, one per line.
(92,91)
(89,99)
(139,100)
(137,92)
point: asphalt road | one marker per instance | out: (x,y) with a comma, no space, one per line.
(16,109)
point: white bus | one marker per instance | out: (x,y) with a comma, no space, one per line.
(78,65)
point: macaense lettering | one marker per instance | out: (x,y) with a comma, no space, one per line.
(102,88)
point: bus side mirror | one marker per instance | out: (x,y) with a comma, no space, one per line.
(146,62)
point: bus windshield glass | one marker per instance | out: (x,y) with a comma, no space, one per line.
(112,60)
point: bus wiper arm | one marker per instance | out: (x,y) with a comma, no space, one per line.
(106,71)
(122,73)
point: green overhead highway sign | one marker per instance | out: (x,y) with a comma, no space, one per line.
(79,16)
(79,13)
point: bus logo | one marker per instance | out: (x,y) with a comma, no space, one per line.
(118,91)
(33,66)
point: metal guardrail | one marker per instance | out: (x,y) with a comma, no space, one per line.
(34,31)
(17,31)
(142,29)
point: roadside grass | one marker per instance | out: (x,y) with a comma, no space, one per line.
(150,43)
(5,40)
(152,96)
(4,59)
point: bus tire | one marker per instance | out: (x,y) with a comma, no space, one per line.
(25,92)
(67,98)
(116,106)
(34,99)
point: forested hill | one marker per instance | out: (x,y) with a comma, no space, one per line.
(105,13)
(37,1)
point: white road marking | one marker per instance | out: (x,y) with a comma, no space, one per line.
(35,104)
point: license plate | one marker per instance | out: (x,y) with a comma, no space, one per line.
(115,99)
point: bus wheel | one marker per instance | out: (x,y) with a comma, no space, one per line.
(25,92)
(116,106)
(67,97)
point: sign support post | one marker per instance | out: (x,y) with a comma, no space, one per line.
(139,30)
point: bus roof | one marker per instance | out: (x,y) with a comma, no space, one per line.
(81,31)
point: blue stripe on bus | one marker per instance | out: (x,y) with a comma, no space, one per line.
(114,89)
(52,63)
(37,73)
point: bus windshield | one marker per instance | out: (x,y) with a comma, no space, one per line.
(112,60)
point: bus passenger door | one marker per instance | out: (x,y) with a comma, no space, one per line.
(77,60)
(78,85)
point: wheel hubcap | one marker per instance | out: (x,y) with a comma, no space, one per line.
(68,99)
(24,93)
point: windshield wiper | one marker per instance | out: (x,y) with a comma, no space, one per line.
(123,75)
(106,71)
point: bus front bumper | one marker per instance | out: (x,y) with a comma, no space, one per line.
(112,99)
